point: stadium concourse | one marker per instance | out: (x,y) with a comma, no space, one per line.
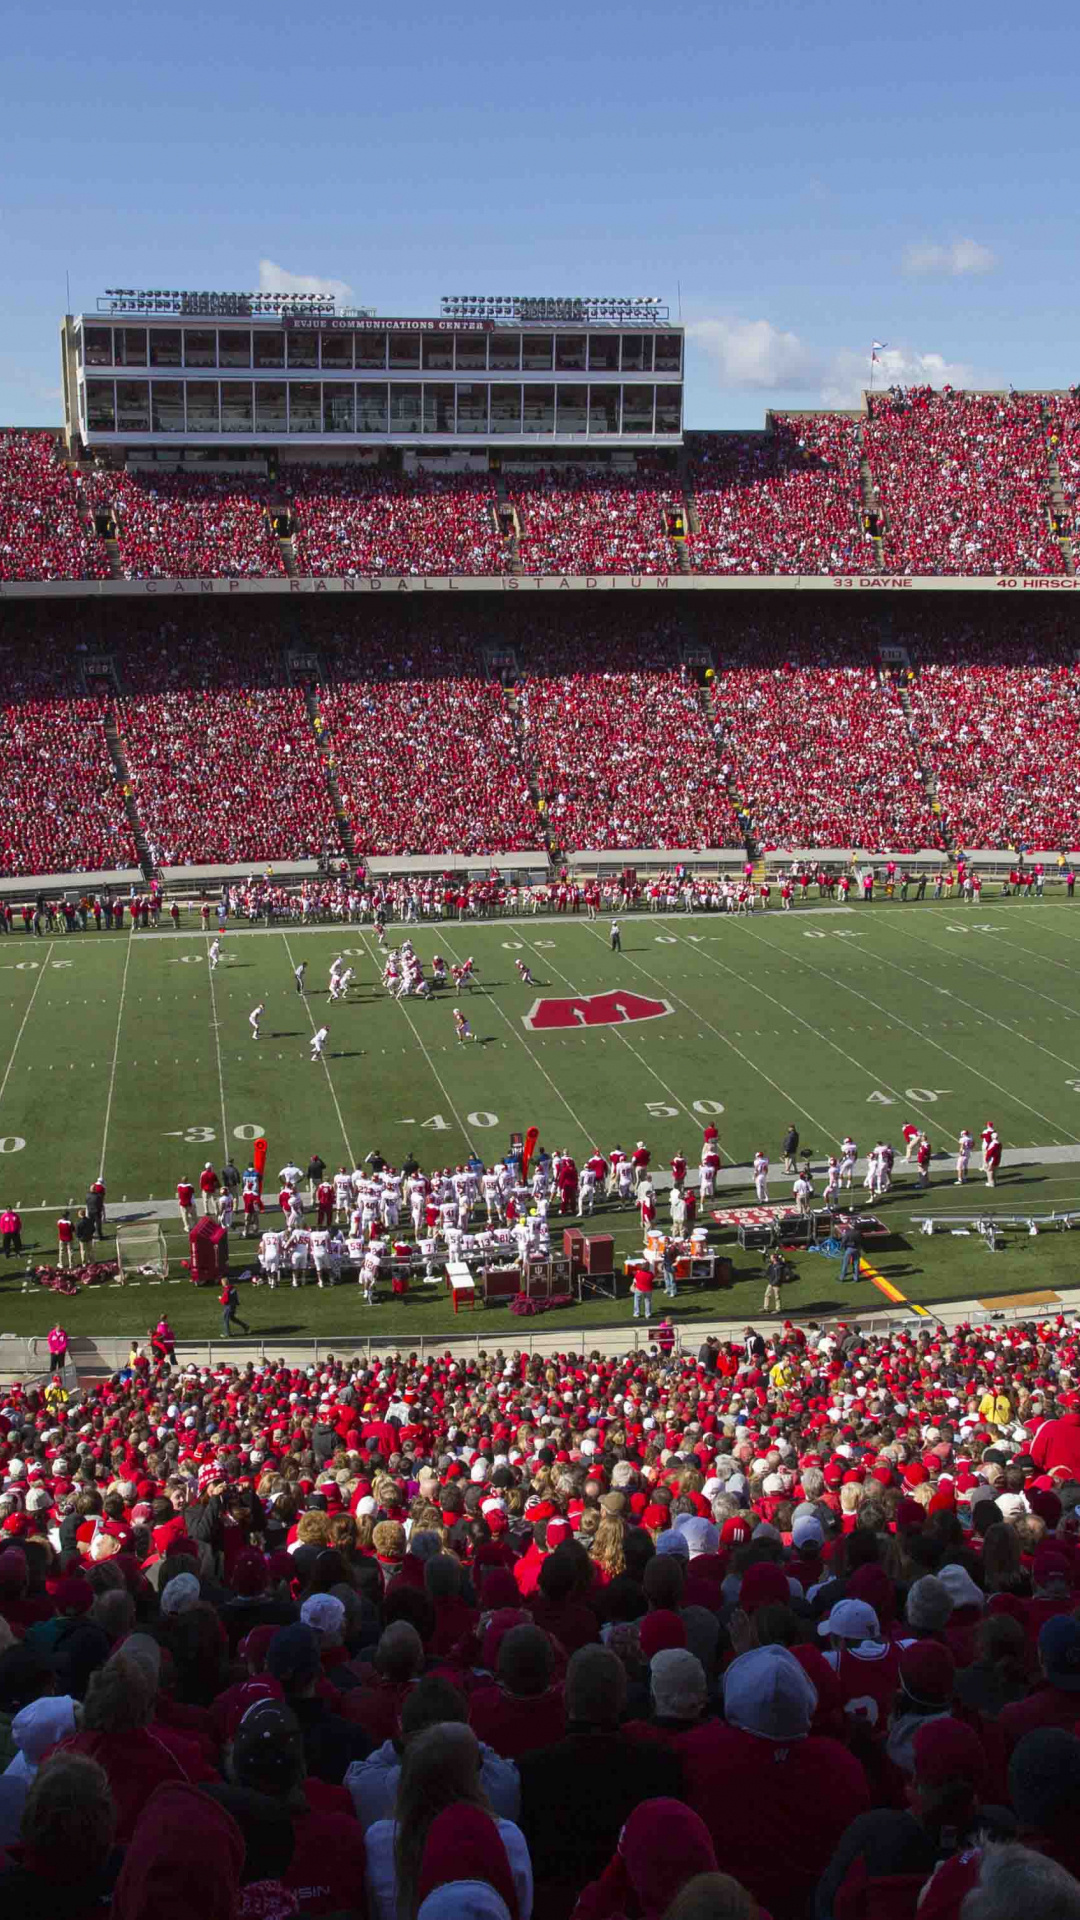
(784,1628)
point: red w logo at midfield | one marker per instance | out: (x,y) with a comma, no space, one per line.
(594,1010)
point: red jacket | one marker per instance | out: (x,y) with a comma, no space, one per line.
(1057,1444)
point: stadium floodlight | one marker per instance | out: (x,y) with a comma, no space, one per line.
(642,309)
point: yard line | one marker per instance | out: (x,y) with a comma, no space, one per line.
(546,959)
(25,1018)
(922,1035)
(553,1084)
(963,954)
(1005,1025)
(668,993)
(325,1062)
(217,1043)
(116,1053)
(439,1082)
(816,1031)
(1066,965)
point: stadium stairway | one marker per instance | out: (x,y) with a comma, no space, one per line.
(507,525)
(323,741)
(1057,493)
(93,523)
(753,851)
(929,783)
(123,774)
(693,517)
(871,505)
(286,546)
(513,707)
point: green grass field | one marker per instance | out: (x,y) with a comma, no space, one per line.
(123,1053)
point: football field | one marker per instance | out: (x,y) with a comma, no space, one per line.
(127,1054)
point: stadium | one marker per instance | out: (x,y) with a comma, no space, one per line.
(311,650)
(434,1483)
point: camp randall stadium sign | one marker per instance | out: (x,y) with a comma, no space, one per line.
(199,587)
(612,1009)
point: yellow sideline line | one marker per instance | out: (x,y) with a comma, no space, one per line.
(867,1272)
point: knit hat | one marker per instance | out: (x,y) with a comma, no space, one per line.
(960,1586)
(945,1751)
(764,1585)
(929,1604)
(181,1594)
(767,1692)
(1059,1651)
(927,1672)
(323,1612)
(660,1630)
(293,1654)
(465,1870)
(1044,1778)
(657,1833)
(677,1679)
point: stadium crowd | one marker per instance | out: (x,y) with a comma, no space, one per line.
(597,717)
(782,502)
(603,523)
(63,809)
(175,525)
(43,534)
(620,751)
(998,723)
(792,708)
(363,520)
(786,1627)
(424,749)
(224,765)
(962,481)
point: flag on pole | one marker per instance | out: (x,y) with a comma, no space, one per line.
(876,347)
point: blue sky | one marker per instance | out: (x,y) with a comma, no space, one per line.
(812,177)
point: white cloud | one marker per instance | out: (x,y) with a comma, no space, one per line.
(848,374)
(754,354)
(275,279)
(961,256)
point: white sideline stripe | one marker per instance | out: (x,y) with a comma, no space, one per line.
(924,1037)
(325,1062)
(338,928)
(545,959)
(29,1009)
(733,1175)
(744,1057)
(217,1043)
(520,1038)
(115,1055)
(439,1081)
